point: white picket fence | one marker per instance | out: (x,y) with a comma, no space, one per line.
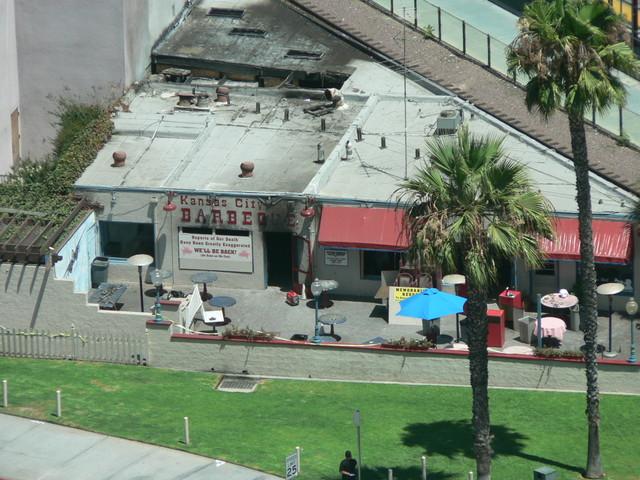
(110,348)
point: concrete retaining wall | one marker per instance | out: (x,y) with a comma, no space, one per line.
(338,362)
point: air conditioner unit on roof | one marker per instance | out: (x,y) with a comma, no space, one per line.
(448,122)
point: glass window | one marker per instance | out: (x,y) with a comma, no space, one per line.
(123,239)
(549,268)
(374,261)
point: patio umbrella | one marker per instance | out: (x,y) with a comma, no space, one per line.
(431,303)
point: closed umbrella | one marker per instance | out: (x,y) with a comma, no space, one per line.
(431,303)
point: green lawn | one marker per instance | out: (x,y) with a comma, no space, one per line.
(399,423)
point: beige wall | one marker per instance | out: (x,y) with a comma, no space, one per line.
(370,364)
(32,299)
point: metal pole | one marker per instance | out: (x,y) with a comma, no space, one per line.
(58,404)
(439,24)
(415,13)
(489,50)
(424,468)
(464,38)
(391,7)
(632,356)
(610,321)
(357,417)
(470,475)
(187,440)
(620,120)
(298,454)
(455,287)
(390,474)
(5,388)
(404,61)
(141,295)
(539,321)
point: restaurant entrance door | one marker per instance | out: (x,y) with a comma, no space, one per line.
(278,249)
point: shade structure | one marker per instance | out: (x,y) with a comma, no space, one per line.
(431,303)
(363,228)
(612,241)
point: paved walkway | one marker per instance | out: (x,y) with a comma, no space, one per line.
(30,449)
(497,96)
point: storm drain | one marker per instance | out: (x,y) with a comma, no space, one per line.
(231,383)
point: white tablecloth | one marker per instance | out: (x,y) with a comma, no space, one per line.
(552,327)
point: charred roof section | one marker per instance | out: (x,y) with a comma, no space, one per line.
(258,41)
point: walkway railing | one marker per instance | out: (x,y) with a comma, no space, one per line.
(490,51)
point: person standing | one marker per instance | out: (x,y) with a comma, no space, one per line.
(348,467)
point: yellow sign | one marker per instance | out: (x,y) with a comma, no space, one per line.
(400,293)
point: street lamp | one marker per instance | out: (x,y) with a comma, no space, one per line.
(632,309)
(316,291)
(455,279)
(140,260)
(610,289)
(157,276)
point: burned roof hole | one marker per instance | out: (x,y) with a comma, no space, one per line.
(303,54)
(248,32)
(225,12)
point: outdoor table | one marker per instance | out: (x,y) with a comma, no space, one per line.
(204,278)
(107,295)
(332,319)
(222,302)
(552,327)
(554,300)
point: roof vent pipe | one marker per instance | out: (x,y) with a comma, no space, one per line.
(257,107)
(417,153)
(286,114)
(359,134)
(222,95)
(323,124)
(118,158)
(348,150)
(383,142)
(320,154)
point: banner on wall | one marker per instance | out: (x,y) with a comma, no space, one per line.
(231,253)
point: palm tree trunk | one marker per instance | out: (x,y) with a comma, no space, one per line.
(588,302)
(479,372)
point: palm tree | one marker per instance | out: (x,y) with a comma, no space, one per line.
(568,49)
(470,207)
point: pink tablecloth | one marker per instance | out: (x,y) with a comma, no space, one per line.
(552,327)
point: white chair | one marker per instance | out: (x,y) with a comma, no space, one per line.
(194,306)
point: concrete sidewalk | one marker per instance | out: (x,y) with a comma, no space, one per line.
(31,449)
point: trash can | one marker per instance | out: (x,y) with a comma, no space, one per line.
(99,271)
(574,318)
(431,329)
(464,330)
(545,473)
(526,327)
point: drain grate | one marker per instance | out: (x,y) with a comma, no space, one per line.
(237,384)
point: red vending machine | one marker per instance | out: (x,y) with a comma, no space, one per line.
(511,302)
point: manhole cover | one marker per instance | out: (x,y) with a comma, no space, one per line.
(237,384)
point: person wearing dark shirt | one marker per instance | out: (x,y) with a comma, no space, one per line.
(348,467)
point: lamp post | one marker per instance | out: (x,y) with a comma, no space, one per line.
(140,260)
(610,289)
(157,276)
(632,309)
(455,280)
(316,291)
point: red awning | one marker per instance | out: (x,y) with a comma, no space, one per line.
(612,241)
(363,228)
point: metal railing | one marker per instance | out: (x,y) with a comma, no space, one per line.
(488,50)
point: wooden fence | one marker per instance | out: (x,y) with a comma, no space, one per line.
(111,348)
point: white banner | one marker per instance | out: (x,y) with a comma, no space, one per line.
(220,252)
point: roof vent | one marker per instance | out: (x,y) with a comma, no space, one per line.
(303,55)
(225,12)
(248,32)
(448,122)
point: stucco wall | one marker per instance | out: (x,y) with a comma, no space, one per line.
(9,100)
(32,299)
(370,364)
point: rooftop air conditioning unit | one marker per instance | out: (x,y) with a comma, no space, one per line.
(448,122)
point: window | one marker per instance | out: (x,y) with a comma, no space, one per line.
(123,239)
(374,261)
(612,273)
(549,269)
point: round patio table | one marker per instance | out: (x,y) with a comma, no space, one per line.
(554,300)
(332,319)
(552,327)
(204,278)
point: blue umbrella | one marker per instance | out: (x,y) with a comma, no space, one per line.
(431,303)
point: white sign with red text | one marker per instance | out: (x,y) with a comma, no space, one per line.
(233,253)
